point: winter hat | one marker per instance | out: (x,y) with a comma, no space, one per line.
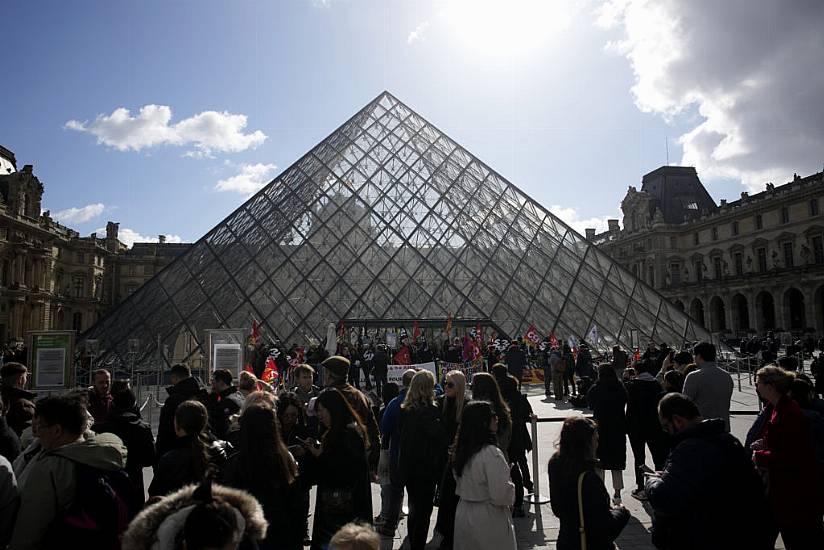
(337,365)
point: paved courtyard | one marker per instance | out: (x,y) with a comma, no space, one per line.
(539,529)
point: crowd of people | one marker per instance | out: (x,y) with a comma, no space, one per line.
(234,464)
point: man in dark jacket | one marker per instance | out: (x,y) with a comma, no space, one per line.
(380,362)
(100,398)
(335,371)
(124,421)
(708,494)
(643,427)
(224,401)
(19,402)
(183,388)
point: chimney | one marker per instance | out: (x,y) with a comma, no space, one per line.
(161,239)
(112,230)
(590,233)
(613,226)
(744,195)
(723,202)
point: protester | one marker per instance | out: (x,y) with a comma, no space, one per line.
(607,399)
(124,421)
(19,401)
(9,501)
(392,491)
(223,402)
(575,489)
(708,494)
(710,387)
(558,368)
(199,517)
(583,363)
(183,388)
(569,371)
(380,364)
(340,468)
(783,452)
(263,467)
(422,453)
(482,519)
(193,457)
(249,383)
(643,428)
(336,369)
(9,442)
(355,536)
(389,392)
(74,493)
(100,397)
(305,389)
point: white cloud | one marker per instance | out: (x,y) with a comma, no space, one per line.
(747,66)
(251,179)
(571,217)
(207,132)
(130,236)
(418,34)
(80,215)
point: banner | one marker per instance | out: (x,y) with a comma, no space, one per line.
(532,376)
(468,368)
(531,335)
(448,325)
(395,372)
(553,341)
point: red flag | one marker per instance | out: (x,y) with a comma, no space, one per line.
(254,337)
(416,331)
(531,336)
(553,342)
(479,334)
(270,373)
(342,332)
(448,325)
(403,357)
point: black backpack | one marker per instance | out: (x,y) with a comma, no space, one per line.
(103,506)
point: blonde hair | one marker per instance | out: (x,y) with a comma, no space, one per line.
(259,398)
(355,536)
(458,378)
(776,377)
(421,390)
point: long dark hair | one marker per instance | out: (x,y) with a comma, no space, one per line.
(575,444)
(286,400)
(473,433)
(191,417)
(485,388)
(262,455)
(342,415)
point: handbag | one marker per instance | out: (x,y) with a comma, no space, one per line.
(581,511)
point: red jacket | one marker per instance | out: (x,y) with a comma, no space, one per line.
(790,460)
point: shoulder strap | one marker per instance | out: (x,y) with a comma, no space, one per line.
(581,528)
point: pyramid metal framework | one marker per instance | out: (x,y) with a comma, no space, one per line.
(389,218)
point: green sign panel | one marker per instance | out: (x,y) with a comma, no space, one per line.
(50,359)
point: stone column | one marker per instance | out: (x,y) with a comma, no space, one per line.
(727,311)
(809,306)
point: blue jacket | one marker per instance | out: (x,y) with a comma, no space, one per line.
(391,429)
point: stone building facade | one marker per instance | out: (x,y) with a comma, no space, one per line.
(50,276)
(747,266)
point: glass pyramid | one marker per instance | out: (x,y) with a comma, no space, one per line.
(389,218)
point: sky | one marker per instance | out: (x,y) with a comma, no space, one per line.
(167,115)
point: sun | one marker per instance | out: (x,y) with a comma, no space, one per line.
(506,27)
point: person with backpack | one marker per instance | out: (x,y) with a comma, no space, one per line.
(76,493)
(124,421)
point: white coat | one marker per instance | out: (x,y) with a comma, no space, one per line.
(483,519)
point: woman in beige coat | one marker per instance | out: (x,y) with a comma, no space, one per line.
(483,518)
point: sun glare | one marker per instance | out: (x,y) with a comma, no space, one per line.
(506,27)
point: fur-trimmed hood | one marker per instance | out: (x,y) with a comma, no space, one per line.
(157,526)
